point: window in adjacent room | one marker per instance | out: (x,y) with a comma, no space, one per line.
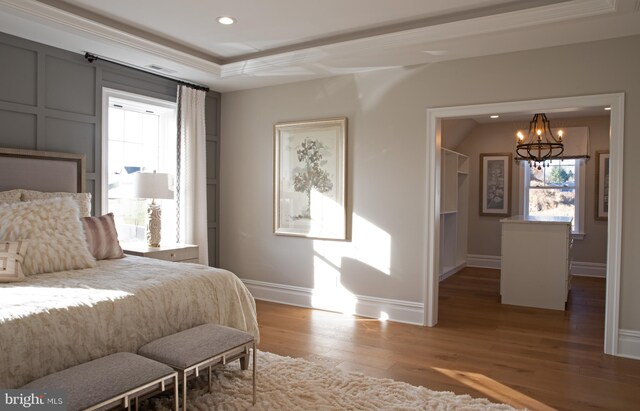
(556,191)
(140,135)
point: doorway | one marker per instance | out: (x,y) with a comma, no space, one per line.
(433,212)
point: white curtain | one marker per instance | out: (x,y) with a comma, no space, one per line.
(191,185)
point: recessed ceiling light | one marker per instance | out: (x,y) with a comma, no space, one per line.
(226,20)
(607,108)
(495,116)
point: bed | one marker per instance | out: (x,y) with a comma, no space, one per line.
(57,320)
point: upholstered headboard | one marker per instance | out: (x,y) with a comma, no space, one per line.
(41,170)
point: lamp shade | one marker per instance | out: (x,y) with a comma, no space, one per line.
(152,185)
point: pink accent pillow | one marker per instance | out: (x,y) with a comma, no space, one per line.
(102,237)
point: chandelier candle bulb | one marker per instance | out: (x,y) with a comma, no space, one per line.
(540,145)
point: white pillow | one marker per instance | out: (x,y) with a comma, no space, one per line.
(53,228)
(11,258)
(83,199)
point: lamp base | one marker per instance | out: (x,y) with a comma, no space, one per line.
(154,224)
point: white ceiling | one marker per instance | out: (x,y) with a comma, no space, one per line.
(266,25)
(279,41)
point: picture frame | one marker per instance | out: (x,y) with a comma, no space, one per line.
(310,185)
(495,184)
(602,185)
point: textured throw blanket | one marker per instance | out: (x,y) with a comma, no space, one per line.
(54,321)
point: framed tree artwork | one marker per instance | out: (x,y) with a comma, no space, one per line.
(495,184)
(309,179)
(602,185)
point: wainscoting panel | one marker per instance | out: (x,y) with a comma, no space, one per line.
(18,74)
(212,125)
(19,129)
(51,99)
(70,85)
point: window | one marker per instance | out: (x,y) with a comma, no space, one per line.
(140,135)
(556,191)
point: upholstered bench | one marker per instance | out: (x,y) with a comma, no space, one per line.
(110,381)
(200,348)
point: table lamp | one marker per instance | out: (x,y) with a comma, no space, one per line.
(154,186)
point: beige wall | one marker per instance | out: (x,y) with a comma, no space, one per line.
(387,145)
(484,232)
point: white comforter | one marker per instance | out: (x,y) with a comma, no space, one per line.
(57,320)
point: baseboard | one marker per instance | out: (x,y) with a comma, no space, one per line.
(395,310)
(629,344)
(449,271)
(484,261)
(577,267)
(588,269)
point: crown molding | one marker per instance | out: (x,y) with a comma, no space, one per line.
(52,16)
(554,13)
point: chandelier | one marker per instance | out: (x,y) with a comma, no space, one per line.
(540,145)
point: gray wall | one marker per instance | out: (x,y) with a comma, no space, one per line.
(212,108)
(51,99)
(484,232)
(387,160)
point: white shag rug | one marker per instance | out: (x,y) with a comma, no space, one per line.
(286,383)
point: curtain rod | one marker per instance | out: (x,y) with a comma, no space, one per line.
(92,57)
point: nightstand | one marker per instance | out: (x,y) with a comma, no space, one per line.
(184,253)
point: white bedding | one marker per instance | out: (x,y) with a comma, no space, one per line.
(54,321)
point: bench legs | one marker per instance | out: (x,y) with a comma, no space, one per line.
(244,362)
(254,372)
(176,384)
(244,365)
(184,391)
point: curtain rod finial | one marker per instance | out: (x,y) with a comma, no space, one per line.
(90,57)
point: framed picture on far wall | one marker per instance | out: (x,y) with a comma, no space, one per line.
(495,184)
(602,185)
(310,179)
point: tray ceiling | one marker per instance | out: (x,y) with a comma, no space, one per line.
(280,41)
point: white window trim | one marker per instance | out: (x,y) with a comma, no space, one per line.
(107,94)
(579,232)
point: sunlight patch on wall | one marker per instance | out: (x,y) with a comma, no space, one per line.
(324,209)
(370,245)
(328,292)
(374,91)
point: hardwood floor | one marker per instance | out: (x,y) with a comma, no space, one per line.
(526,357)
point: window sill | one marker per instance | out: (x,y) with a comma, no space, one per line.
(578,236)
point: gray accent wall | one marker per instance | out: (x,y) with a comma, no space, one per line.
(213,172)
(51,99)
